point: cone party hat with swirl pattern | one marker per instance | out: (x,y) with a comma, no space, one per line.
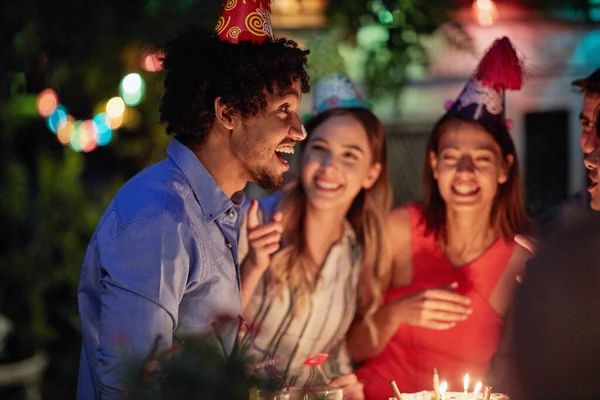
(243,20)
(482,99)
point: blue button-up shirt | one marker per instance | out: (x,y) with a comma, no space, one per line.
(162,261)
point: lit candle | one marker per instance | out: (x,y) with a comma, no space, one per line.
(466,385)
(443,388)
(487,393)
(477,389)
(436,383)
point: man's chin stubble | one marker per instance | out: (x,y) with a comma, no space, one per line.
(268,182)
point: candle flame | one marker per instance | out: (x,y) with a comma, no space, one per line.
(477,388)
(466,384)
(443,387)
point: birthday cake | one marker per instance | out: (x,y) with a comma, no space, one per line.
(430,395)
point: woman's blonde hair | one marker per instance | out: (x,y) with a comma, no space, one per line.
(291,267)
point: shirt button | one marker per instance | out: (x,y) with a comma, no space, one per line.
(229,245)
(231,214)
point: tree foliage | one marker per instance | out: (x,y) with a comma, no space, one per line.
(389,33)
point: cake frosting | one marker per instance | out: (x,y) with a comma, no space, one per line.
(430,395)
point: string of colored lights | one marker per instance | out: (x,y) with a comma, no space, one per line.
(86,135)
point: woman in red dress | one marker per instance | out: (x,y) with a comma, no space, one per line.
(455,260)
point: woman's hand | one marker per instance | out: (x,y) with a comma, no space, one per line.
(437,309)
(352,388)
(528,242)
(263,240)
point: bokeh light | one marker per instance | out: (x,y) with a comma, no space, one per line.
(385,17)
(74,141)
(149,59)
(115,107)
(151,62)
(87,136)
(65,130)
(132,89)
(103,131)
(131,83)
(485,12)
(108,116)
(132,99)
(47,101)
(372,36)
(56,118)
(114,122)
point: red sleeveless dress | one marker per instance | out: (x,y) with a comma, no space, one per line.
(468,347)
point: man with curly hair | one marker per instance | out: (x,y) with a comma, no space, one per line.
(163,260)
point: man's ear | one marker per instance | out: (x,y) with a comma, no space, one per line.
(223,115)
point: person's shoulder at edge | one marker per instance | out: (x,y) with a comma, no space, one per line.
(567,214)
(399,218)
(567,242)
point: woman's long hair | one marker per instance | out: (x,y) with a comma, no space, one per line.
(507,217)
(291,267)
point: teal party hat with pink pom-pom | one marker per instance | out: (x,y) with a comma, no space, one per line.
(332,88)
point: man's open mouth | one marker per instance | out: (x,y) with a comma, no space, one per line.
(284,153)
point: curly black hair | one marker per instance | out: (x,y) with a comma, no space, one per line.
(200,67)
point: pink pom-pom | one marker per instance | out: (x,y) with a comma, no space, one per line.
(508,123)
(448,104)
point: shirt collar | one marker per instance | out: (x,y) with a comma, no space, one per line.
(213,201)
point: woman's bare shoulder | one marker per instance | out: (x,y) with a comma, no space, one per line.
(399,218)
(399,225)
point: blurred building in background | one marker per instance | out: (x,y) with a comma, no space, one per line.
(559,44)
